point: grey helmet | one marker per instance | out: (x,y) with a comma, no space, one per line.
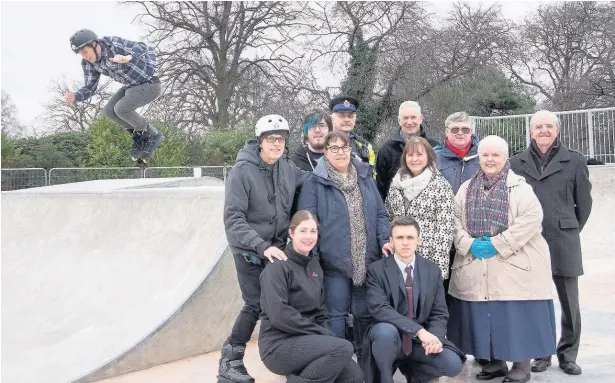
(81,38)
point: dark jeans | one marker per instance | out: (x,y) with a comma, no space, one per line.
(387,349)
(248,276)
(314,359)
(121,107)
(341,298)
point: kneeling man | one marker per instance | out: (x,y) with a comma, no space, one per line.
(405,297)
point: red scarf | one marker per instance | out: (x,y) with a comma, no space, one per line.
(459,152)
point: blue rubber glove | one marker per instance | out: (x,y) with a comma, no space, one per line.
(479,248)
(489,250)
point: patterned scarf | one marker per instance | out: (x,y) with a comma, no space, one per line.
(354,201)
(487,204)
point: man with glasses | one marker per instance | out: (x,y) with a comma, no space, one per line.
(257,209)
(343,116)
(457,156)
(560,179)
(316,126)
(389,156)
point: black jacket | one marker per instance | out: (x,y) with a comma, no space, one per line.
(387,302)
(292,300)
(305,159)
(564,191)
(389,157)
(256,217)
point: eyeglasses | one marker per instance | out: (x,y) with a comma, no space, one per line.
(464,130)
(272,139)
(336,149)
(321,126)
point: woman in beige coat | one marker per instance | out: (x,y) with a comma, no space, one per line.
(502,306)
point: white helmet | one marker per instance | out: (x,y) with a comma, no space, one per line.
(271,122)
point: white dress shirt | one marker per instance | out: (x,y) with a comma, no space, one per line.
(402,266)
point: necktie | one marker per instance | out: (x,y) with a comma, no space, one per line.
(407,341)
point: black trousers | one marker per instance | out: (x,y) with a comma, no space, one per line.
(314,359)
(568,293)
(387,349)
(248,276)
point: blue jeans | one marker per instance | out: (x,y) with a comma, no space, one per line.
(386,350)
(341,298)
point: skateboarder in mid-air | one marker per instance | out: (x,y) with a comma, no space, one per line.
(132,64)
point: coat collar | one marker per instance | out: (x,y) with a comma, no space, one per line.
(554,166)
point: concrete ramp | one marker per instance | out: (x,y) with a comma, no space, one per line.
(102,278)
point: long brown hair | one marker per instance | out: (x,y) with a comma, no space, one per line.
(411,147)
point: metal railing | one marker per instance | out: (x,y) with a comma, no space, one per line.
(67,175)
(23,178)
(590,131)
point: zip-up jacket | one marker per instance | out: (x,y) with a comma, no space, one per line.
(292,300)
(457,170)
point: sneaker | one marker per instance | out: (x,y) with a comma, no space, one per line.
(540,365)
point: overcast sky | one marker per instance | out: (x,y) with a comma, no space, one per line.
(35,48)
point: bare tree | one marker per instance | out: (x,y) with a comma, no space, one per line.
(567,52)
(10,124)
(397,51)
(75,116)
(208,51)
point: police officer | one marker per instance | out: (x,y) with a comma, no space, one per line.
(343,115)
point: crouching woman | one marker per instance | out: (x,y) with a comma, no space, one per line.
(294,336)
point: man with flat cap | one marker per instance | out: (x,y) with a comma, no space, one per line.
(343,115)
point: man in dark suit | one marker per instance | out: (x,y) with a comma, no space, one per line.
(560,179)
(405,297)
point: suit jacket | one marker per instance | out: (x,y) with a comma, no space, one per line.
(387,302)
(564,191)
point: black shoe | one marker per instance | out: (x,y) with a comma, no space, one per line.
(135,149)
(570,368)
(541,365)
(491,375)
(151,139)
(231,368)
(482,362)
(523,380)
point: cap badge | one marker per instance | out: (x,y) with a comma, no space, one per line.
(346,103)
(276,125)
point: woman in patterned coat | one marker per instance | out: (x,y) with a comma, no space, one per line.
(421,191)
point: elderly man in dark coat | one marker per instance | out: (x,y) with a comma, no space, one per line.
(560,179)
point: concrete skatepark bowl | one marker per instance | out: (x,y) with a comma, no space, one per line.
(104,278)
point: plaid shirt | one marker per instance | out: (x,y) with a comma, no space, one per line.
(137,71)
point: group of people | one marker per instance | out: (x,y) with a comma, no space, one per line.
(434,250)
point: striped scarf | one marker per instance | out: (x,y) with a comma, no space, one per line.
(487,204)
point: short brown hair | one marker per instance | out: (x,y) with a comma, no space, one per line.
(301,216)
(405,220)
(336,135)
(410,147)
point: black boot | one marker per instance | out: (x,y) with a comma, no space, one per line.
(151,138)
(136,144)
(231,369)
